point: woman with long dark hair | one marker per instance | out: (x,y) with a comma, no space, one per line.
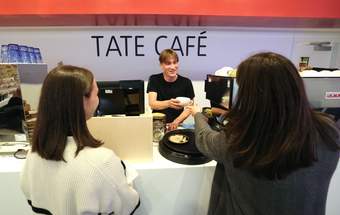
(67,171)
(276,155)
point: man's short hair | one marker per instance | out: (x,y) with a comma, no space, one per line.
(166,54)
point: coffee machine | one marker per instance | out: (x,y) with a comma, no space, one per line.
(323,91)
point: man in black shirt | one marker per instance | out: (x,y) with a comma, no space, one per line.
(164,87)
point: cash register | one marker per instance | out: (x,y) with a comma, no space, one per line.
(125,97)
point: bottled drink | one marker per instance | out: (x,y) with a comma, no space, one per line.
(38,55)
(25,57)
(4,54)
(13,53)
(31,54)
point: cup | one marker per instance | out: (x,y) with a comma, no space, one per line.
(206,111)
(303,64)
(183,101)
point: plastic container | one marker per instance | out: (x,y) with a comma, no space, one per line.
(159,126)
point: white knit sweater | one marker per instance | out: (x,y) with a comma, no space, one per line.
(92,182)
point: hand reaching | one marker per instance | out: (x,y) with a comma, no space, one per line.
(172,126)
(194,108)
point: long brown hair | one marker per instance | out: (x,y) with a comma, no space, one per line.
(272,129)
(61,112)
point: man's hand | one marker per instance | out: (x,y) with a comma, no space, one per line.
(175,104)
(172,126)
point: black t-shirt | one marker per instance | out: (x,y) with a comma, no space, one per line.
(170,90)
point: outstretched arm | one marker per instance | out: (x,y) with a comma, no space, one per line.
(183,116)
(161,105)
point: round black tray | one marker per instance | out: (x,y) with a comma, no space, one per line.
(181,153)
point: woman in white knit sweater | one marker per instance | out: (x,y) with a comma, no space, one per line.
(67,171)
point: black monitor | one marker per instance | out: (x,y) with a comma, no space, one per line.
(221,90)
(120,97)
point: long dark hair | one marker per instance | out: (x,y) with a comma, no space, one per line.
(61,112)
(272,129)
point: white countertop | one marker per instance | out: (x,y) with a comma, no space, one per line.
(187,187)
(8,163)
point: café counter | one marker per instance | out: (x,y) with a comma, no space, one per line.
(165,187)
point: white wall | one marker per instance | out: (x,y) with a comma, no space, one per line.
(224,46)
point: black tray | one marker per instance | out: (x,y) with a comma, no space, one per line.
(186,153)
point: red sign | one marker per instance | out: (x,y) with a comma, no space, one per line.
(332,95)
